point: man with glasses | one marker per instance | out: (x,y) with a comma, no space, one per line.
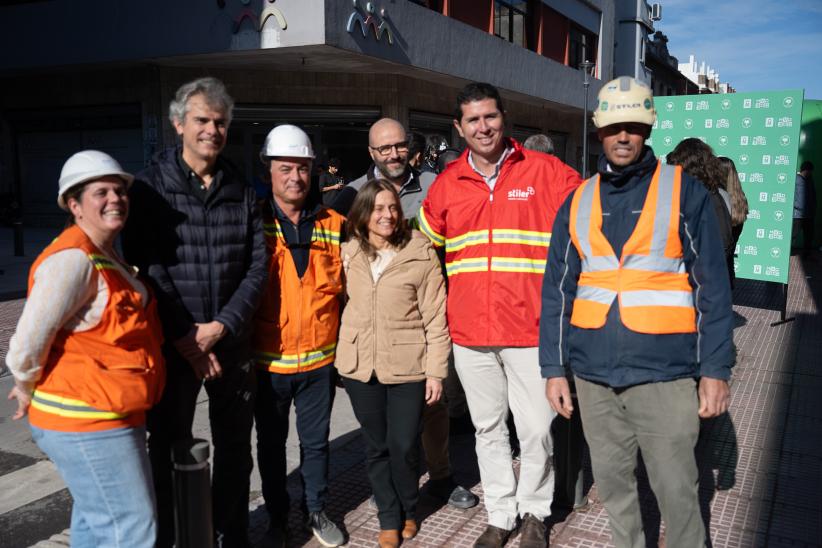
(388,146)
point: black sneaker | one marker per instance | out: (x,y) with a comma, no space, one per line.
(325,530)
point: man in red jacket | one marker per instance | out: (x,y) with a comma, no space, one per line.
(493,209)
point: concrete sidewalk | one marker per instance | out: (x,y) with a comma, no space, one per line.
(761,464)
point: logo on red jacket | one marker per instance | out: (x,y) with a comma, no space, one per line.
(520,194)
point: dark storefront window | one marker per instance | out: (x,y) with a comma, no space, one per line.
(582,46)
(509,20)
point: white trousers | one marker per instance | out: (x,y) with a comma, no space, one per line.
(495,379)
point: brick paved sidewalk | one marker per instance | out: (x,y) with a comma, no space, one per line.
(760,465)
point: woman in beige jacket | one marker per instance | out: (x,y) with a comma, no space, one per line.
(393,347)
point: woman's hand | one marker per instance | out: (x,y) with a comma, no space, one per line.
(22,393)
(433,391)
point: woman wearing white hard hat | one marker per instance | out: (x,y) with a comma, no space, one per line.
(86,360)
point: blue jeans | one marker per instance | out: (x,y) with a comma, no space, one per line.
(312,393)
(109,478)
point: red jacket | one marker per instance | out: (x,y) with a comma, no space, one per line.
(496,243)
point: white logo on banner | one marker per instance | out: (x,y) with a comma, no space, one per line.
(760,233)
(754,213)
(756,178)
(746,122)
(787,102)
(769,121)
(782,160)
(667,124)
(778,197)
(784,140)
(763,196)
(785,121)
(778,215)
(772,270)
(723,140)
(782,178)
(743,141)
(763,103)
(747,103)
(726,104)
(723,123)
(668,140)
(742,176)
(743,159)
(669,106)
(709,123)
(689,105)
(766,159)
(759,141)
(775,234)
(689,123)
(757,269)
(775,252)
(702,105)
(750,250)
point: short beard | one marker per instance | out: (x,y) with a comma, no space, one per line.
(384,171)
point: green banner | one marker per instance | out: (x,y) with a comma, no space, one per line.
(760,133)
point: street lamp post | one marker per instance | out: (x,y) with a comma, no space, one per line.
(586,82)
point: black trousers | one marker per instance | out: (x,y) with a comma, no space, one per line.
(230,413)
(391,420)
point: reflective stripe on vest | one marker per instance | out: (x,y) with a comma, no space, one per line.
(71,408)
(650,281)
(294,361)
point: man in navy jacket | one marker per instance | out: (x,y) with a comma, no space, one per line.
(641,317)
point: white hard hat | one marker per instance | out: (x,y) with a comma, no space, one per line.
(624,100)
(85,166)
(287,141)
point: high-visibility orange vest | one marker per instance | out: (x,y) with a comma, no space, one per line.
(296,326)
(649,280)
(107,376)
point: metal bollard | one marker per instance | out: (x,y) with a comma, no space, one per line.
(17,226)
(192,494)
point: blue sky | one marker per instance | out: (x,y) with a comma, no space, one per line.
(755,45)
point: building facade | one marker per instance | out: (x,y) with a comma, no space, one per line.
(100,74)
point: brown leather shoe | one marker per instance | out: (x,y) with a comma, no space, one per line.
(389,538)
(492,537)
(532,533)
(410,529)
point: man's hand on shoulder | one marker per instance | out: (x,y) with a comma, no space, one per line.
(714,397)
(558,392)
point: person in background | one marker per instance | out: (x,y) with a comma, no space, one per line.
(331,182)
(697,160)
(492,211)
(295,335)
(540,143)
(434,146)
(804,205)
(630,269)
(393,348)
(416,151)
(736,196)
(87,362)
(446,157)
(196,232)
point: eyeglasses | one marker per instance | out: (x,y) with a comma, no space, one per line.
(384,150)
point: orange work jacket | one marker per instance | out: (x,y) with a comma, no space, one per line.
(649,280)
(296,326)
(107,376)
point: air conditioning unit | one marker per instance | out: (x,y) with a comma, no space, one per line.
(656,12)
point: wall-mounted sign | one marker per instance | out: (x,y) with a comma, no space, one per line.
(367,19)
(760,133)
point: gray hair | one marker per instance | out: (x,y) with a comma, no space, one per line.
(540,143)
(212,89)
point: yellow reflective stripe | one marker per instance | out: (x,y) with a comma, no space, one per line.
(476,237)
(304,359)
(462,266)
(325,235)
(67,407)
(518,264)
(101,262)
(524,237)
(437,239)
(271,229)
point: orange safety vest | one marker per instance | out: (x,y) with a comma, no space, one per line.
(296,326)
(649,279)
(107,376)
